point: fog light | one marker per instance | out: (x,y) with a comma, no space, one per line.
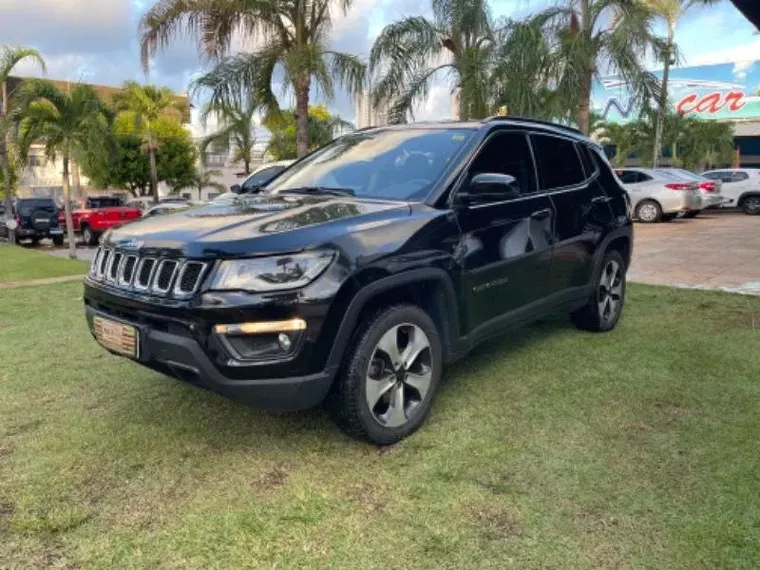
(261,327)
(284,341)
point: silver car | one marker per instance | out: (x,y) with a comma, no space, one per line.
(741,188)
(656,196)
(710,189)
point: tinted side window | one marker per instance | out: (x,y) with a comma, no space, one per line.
(588,164)
(262,177)
(644,177)
(558,162)
(739,176)
(628,176)
(507,153)
(103,203)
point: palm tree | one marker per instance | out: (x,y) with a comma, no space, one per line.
(237,131)
(294,39)
(707,144)
(65,122)
(146,103)
(203,179)
(10,57)
(623,137)
(601,37)
(409,55)
(670,11)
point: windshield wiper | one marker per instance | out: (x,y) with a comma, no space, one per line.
(320,190)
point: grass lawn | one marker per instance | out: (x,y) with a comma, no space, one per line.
(550,448)
(21,263)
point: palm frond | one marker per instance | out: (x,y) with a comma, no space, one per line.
(11,56)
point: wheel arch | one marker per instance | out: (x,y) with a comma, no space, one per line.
(431,289)
(746,195)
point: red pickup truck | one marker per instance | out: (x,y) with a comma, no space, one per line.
(95,214)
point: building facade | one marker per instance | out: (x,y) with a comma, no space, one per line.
(369,115)
(722,92)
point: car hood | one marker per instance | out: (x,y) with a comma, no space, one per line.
(254,225)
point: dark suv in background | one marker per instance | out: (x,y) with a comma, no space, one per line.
(34,219)
(364,268)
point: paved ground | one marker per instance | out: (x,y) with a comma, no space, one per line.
(717,250)
(83,252)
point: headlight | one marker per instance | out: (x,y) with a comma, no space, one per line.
(271,273)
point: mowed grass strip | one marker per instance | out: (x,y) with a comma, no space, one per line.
(19,263)
(547,448)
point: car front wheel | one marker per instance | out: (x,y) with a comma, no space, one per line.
(89,236)
(390,376)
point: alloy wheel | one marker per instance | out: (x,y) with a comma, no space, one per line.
(752,204)
(610,291)
(648,212)
(399,375)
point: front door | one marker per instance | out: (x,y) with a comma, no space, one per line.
(506,242)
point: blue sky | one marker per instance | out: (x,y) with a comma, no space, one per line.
(96,40)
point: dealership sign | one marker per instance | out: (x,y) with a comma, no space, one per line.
(721,92)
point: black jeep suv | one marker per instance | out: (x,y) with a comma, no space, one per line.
(34,219)
(365,267)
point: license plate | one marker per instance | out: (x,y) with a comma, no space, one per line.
(121,338)
(56,231)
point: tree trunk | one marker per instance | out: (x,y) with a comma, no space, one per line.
(302,115)
(153,167)
(67,207)
(4,145)
(663,103)
(584,105)
(76,187)
(247,163)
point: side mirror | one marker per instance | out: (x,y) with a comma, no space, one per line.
(236,189)
(489,187)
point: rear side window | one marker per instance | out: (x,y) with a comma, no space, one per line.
(588,164)
(628,176)
(103,202)
(739,176)
(558,162)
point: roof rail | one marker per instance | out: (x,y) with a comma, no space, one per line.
(536,121)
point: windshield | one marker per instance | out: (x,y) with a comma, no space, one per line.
(684,174)
(388,164)
(26,207)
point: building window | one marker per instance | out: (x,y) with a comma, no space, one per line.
(34,161)
(214,159)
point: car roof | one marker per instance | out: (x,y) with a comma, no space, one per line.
(513,121)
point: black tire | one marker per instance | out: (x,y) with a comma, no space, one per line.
(90,237)
(668,217)
(648,212)
(348,398)
(692,214)
(58,240)
(18,239)
(35,241)
(592,316)
(751,205)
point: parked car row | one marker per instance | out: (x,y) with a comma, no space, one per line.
(39,218)
(659,195)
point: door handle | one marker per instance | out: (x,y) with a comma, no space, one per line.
(541,214)
(600,200)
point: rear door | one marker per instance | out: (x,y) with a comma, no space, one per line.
(505,242)
(566,173)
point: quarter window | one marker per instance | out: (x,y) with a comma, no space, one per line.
(628,176)
(588,164)
(558,162)
(507,153)
(739,176)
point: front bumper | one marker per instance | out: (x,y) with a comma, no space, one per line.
(185,359)
(32,233)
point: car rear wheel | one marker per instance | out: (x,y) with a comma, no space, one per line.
(751,205)
(57,240)
(668,217)
(648,211)
(390,376)
(691,214)
(603,309)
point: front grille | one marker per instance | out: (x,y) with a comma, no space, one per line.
(128,271)
(165,275)
(145,272)
(114,266)
(150,275)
